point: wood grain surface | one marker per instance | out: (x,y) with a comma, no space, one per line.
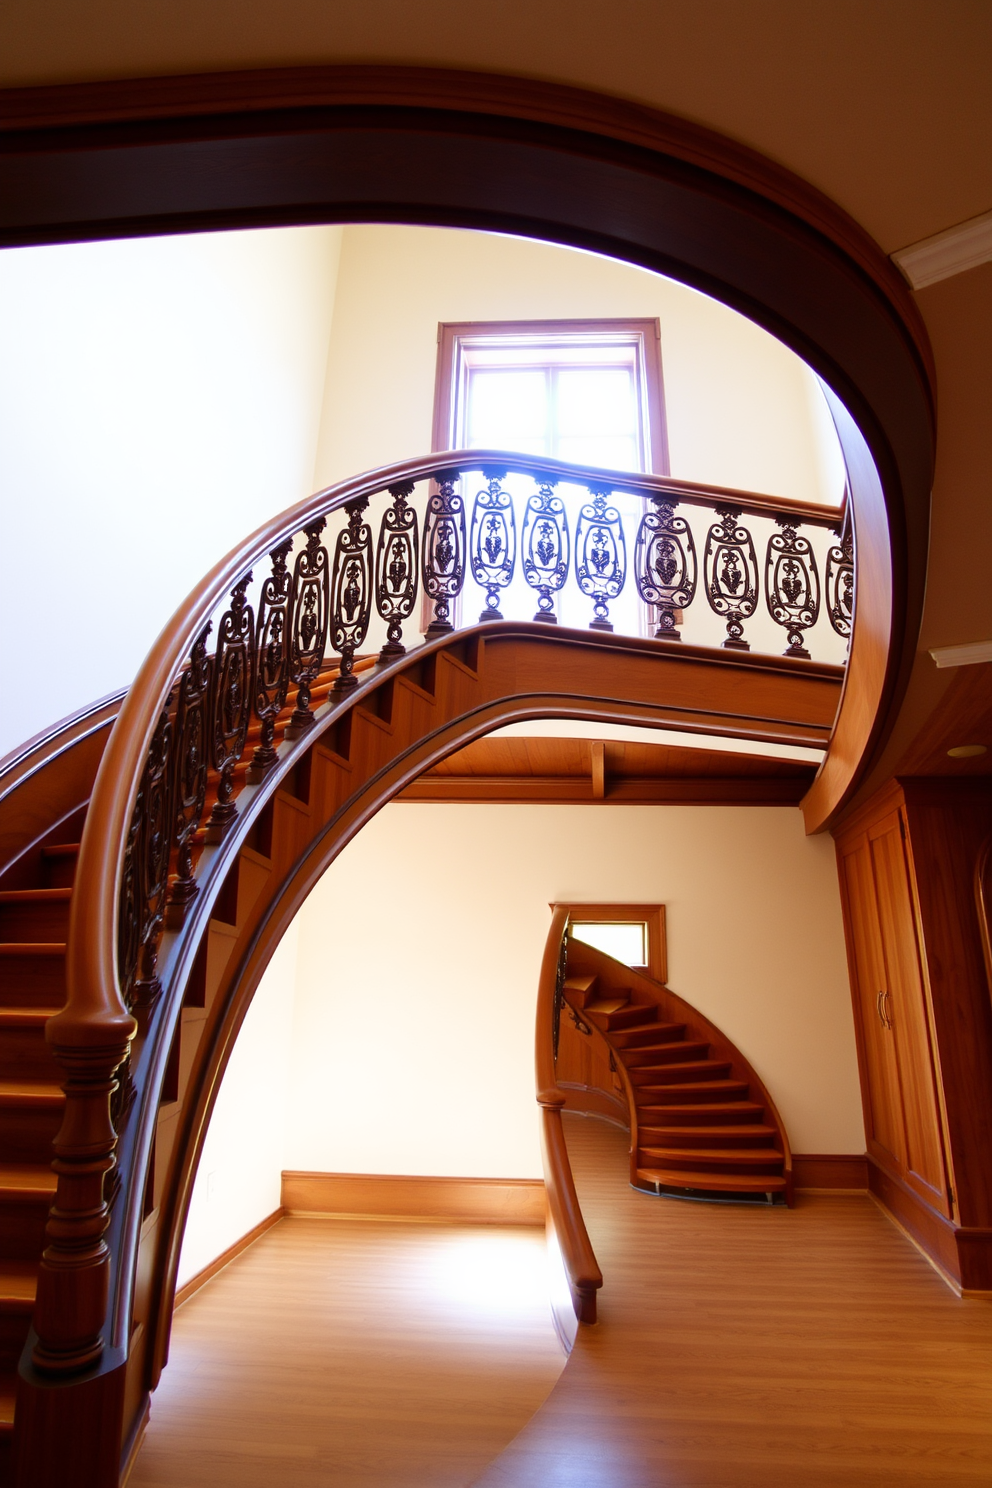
(352,1353)
(757,1347)
(506,1201)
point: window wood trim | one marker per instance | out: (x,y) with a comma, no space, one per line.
(648,329)
(653,915)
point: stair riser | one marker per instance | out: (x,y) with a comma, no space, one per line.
(698,1164)
(673,1137)
(13,1331)
(676,1054)
(675,1074)
(35,919)
(27,1136)
(622,1018)
(24,1055)
(58,872)
(623,1038)
(22,1228)
(32,981)
(679,1095)
(672,1116)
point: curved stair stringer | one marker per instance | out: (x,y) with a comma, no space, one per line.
(701,1118)
(364,747)
(360,755)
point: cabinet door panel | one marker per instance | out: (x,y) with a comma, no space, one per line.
(883,1115)
(907,1010)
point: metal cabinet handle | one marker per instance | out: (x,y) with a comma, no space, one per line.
(883,1017)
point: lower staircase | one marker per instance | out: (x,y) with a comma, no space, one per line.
(701,1122)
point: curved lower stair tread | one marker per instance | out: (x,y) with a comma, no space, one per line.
(721,1182)
(701,1121)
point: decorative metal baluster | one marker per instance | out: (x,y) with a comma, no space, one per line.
(665,565)
(840,582)
(730,567)
(351,591)
(545,548)
(494,541)
(189,786)
(230,702)
(271,659)
(792,584)
(396,568)
(153,850)
(444,551)
(309,610)
(600,556)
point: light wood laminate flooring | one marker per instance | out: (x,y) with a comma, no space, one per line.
(747,1347)
(353,1353)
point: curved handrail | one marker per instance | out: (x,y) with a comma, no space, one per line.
(581,1268)
(131,825)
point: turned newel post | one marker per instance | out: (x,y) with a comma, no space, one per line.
(73,1280)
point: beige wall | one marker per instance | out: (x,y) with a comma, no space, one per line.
(159,398)
(413,1048)
(742,409)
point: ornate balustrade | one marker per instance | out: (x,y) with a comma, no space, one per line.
(229,686)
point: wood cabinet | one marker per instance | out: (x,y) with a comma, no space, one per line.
(902,1114)
(907,861)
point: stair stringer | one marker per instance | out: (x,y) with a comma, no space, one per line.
(364,748)
(481,679)
(587,960)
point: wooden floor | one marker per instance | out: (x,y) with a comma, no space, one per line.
(355,1353)
(758,1348)
(737,1348)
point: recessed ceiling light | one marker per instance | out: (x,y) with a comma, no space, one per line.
(967,751)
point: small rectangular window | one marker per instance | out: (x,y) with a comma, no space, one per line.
(624,942)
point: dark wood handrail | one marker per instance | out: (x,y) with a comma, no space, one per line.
(581,1268)
(90,1037)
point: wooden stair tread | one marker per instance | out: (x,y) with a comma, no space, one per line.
(35,896)
(607,1005)
(715,1087)
(26,1180)
(722,1182)
(712,1108)
(61,850)
(26,1017)
(8,1394)
(32,947)
(702,1067)
(18,1286)
(749,1129)
(30,1093)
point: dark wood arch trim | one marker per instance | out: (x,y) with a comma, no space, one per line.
(414,145)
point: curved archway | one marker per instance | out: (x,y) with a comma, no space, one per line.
(421,145)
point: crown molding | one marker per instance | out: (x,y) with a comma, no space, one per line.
(967,654)
(947,253)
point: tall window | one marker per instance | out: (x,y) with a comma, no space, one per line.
(585,391)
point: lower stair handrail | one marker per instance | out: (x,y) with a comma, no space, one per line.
(564,1213)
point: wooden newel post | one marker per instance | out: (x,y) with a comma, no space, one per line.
(71,1306)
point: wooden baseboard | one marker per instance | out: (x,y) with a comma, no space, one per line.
(960,1254)
(830,1172)
(202,1277)
(508,1201)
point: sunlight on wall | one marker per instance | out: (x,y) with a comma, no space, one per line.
(159,398)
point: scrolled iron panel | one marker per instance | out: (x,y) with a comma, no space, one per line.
(493,546)
(792,585)
(665,565)
(397,574)
(600,556)
(546,548)
(730,567)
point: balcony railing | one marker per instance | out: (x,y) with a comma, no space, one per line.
(312,596)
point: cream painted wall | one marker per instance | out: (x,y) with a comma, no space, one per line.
(739,402)
(159,398)
(238,1180)
(419,952)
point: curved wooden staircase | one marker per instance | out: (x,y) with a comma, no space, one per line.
(156,956)
(702,1123)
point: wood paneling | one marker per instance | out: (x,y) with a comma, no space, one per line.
(830,1172)
(505,1201)
(908,860)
